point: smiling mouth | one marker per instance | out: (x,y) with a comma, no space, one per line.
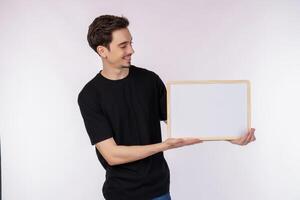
(127,58)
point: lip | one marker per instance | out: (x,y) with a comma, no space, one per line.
(128,59)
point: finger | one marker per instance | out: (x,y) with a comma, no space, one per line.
(192,141)
(248,137)
(235,141)
(243,139)
(253,138)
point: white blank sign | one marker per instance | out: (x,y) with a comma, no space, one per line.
(209,110)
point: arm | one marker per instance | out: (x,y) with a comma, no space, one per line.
(119,154)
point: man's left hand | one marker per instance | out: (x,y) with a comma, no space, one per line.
(246,139)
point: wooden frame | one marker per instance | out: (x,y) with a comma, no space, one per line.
(246,93)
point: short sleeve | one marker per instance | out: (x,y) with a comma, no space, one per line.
(162,95)
(96,124)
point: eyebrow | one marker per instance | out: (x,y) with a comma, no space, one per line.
(124,42)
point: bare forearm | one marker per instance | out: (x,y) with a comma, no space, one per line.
(125,154)
(119,154)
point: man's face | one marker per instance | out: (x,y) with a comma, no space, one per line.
(121,49)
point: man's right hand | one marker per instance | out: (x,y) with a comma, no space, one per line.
(179,142)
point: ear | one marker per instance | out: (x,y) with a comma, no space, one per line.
(101,50)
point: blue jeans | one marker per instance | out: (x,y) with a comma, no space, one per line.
(163,197)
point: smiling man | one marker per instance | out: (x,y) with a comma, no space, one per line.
(122,107)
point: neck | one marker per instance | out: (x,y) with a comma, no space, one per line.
(115,73)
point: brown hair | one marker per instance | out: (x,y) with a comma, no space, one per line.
(100,30)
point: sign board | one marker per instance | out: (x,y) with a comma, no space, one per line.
(209,110)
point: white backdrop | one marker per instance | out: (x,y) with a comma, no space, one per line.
(45,60)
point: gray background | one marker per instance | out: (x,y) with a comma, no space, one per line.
(45,60)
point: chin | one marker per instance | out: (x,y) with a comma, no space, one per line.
(127,65)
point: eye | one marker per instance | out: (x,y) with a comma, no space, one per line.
(124,46)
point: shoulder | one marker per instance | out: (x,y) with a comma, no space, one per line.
(88,91)
(143,72)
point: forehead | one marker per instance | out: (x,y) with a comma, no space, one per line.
(121,35)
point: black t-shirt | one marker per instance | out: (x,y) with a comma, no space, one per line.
(130,111)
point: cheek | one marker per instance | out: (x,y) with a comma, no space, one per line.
(117,56)
(120,54)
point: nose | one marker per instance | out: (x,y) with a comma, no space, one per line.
(131,50)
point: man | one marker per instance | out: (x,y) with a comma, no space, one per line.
(122,107)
